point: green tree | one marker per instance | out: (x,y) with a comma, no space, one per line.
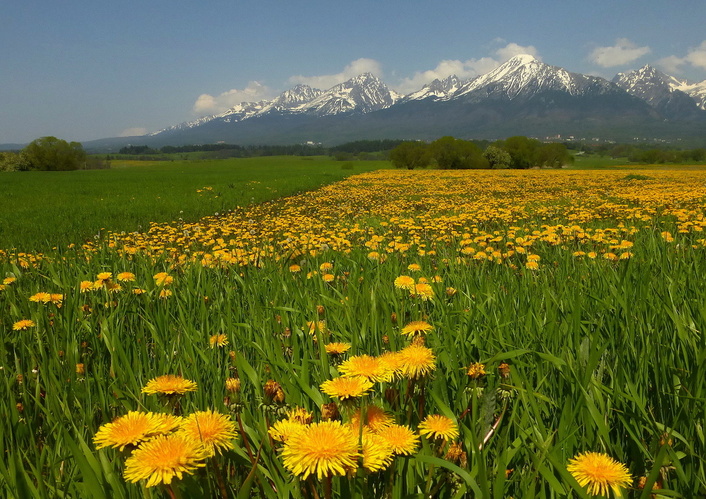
(497,158)
(553,155)
(522,150)
(52,154)
(12,162)
(410,155)
(454,154)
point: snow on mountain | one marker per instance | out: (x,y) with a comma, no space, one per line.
(526,75)
(437,89)
(696,91)
(648,83)
(362,94)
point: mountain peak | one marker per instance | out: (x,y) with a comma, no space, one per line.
(521,59)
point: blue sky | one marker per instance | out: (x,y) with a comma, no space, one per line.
(83,70)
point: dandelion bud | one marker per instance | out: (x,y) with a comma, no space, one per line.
(233,385)
(476,370)
(393,317)
(80,369)
(19,407)
(320,310)
(329,411)
(456,455)
(504,370)
(273,392)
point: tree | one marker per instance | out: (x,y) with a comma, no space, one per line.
(553,155)
(13,162)
(52,154)
(454,154)
(522,150)
(410,155)
(497,158)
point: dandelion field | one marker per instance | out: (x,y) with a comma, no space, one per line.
(395,334)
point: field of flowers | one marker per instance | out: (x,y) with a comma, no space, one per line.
(396,334)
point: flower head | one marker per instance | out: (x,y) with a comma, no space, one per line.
(599,472)
(476,370)
(163,279)
(377,453)
(23,324)
(218,340)
(423,291)
(215,431)
(164,457)
(283,430)
(405,282)
(416,328)
(337,348)
(376,419)
(401,439)
(366,366)
(133,428)
(346,387)
(436,426)
(322,449)
(169,384)
(125,277)
(417,361)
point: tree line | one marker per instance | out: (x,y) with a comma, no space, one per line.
(50,154)
(450,153)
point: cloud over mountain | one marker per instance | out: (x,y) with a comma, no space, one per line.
(623,52)
(359,66)
(209,104)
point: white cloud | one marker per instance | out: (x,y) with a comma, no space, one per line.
(671,64)
(464,69)
(133,132)
(623,52)
(209,104)
(697,56)
(355,68)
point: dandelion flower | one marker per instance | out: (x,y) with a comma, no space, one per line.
(133,428)
(423,291)
(322,449)
(346,387)
(599,472)
(125,277)
(436,426)
(215,431)
(281,431)
(405,282)
(218,340)
(104,276)
(164,457)
(414,267)
(163,279)
(417,327)
(169,384)
(401,439)
(9,280)
(23,324)
(366,366)
(233,385)
(40,297)
(476,370)
(377,453)
(417,361)
(300,415)
(295,268)
(337,348)
(376,419)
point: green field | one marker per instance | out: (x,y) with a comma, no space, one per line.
(41,210)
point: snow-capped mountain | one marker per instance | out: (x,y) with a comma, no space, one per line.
(661,91)
(696,91)
(524,75)
(523,96)
(436,90)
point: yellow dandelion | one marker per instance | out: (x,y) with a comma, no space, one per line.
(300,415)
(281,431)
(138,291)
(233,385)
(23,324)
(414,267)
(337,348)
(417,361)
(215,431)
(125,277)
(417,327)
(476,370)
(163,458)
(218,340)
(405,282)
(165,293)
(40,297)
(376,418)
(328,277)
(366,366)
(346,387)
(104,276)
(326,266)
(9,280)
(133,428)
(169,384)
(314,326)
(56,299)
(599,473)
(532,265)
(393,362)
(401,439)
(436,426)
(294,268)
(323,449)
(377,453)
(423,291)
(163,279)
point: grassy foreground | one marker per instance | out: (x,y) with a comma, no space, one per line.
(555,313)
(41,210)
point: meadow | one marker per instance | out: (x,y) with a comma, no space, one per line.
(42,210)
(394,334)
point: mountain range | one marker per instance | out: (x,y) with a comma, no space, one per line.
(523,96)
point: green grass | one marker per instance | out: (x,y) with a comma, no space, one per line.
(41,210)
